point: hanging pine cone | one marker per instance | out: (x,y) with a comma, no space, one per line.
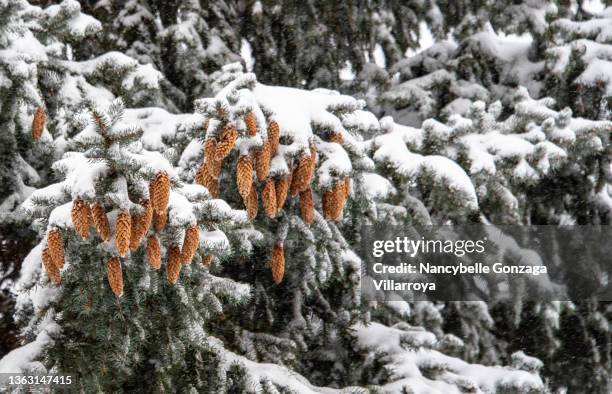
(81,217)
(226,141)
(114,275)
(190,243)
(273,137)
(100,221)
(336,137)
(204,177)
(251,204)
(123,230)
(38,123)
(159,191)
(140,225)
(282,188)
(159,221)
(268,198)
(262,164)
(277,263)
(153,252)
(173,269)
(307,206)
(251,123)
(301,176)
(244,176)
(337,200)
(50,268)
(207,260)
(210,160)
(55,244)
(328,210)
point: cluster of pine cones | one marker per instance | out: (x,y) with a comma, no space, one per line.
(274,192)
(129,234)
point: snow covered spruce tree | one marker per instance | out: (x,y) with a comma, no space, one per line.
(119,216)
(185,40)
(578,63)
(277,152)
(528,168)
(304,301)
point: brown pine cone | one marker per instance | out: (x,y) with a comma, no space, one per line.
(115,275)
(301,176)
(244,175)
(50,268)
(268,198)
(123,231)
(56,247)
(38,123)
(100,221)
(251,123)
(81,215)
(251,204)
(190,243)
(273,137)
(153,252)
(262,161)
(159,191)
(277,263)
(173,269)
(140,225)
(307,206)
(226,141)
(282,189)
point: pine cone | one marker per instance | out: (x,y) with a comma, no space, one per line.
(273,137)
(338,198)
(153,252)
(81,217)
(301,176)
(307,206)
(159,221)
(268,198)
(336,137)
(251,204)
(159,191)
(173,269)
(251,123)
(262,165)
(56,247)
(210,148)
(100,221)
(190,243)
(38,123)
(114,275)
(52,270)
(123,230)
(282,188)
(244,176)
(226,142)
(140,225)
(277,263)
(207,260)
(204,177)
